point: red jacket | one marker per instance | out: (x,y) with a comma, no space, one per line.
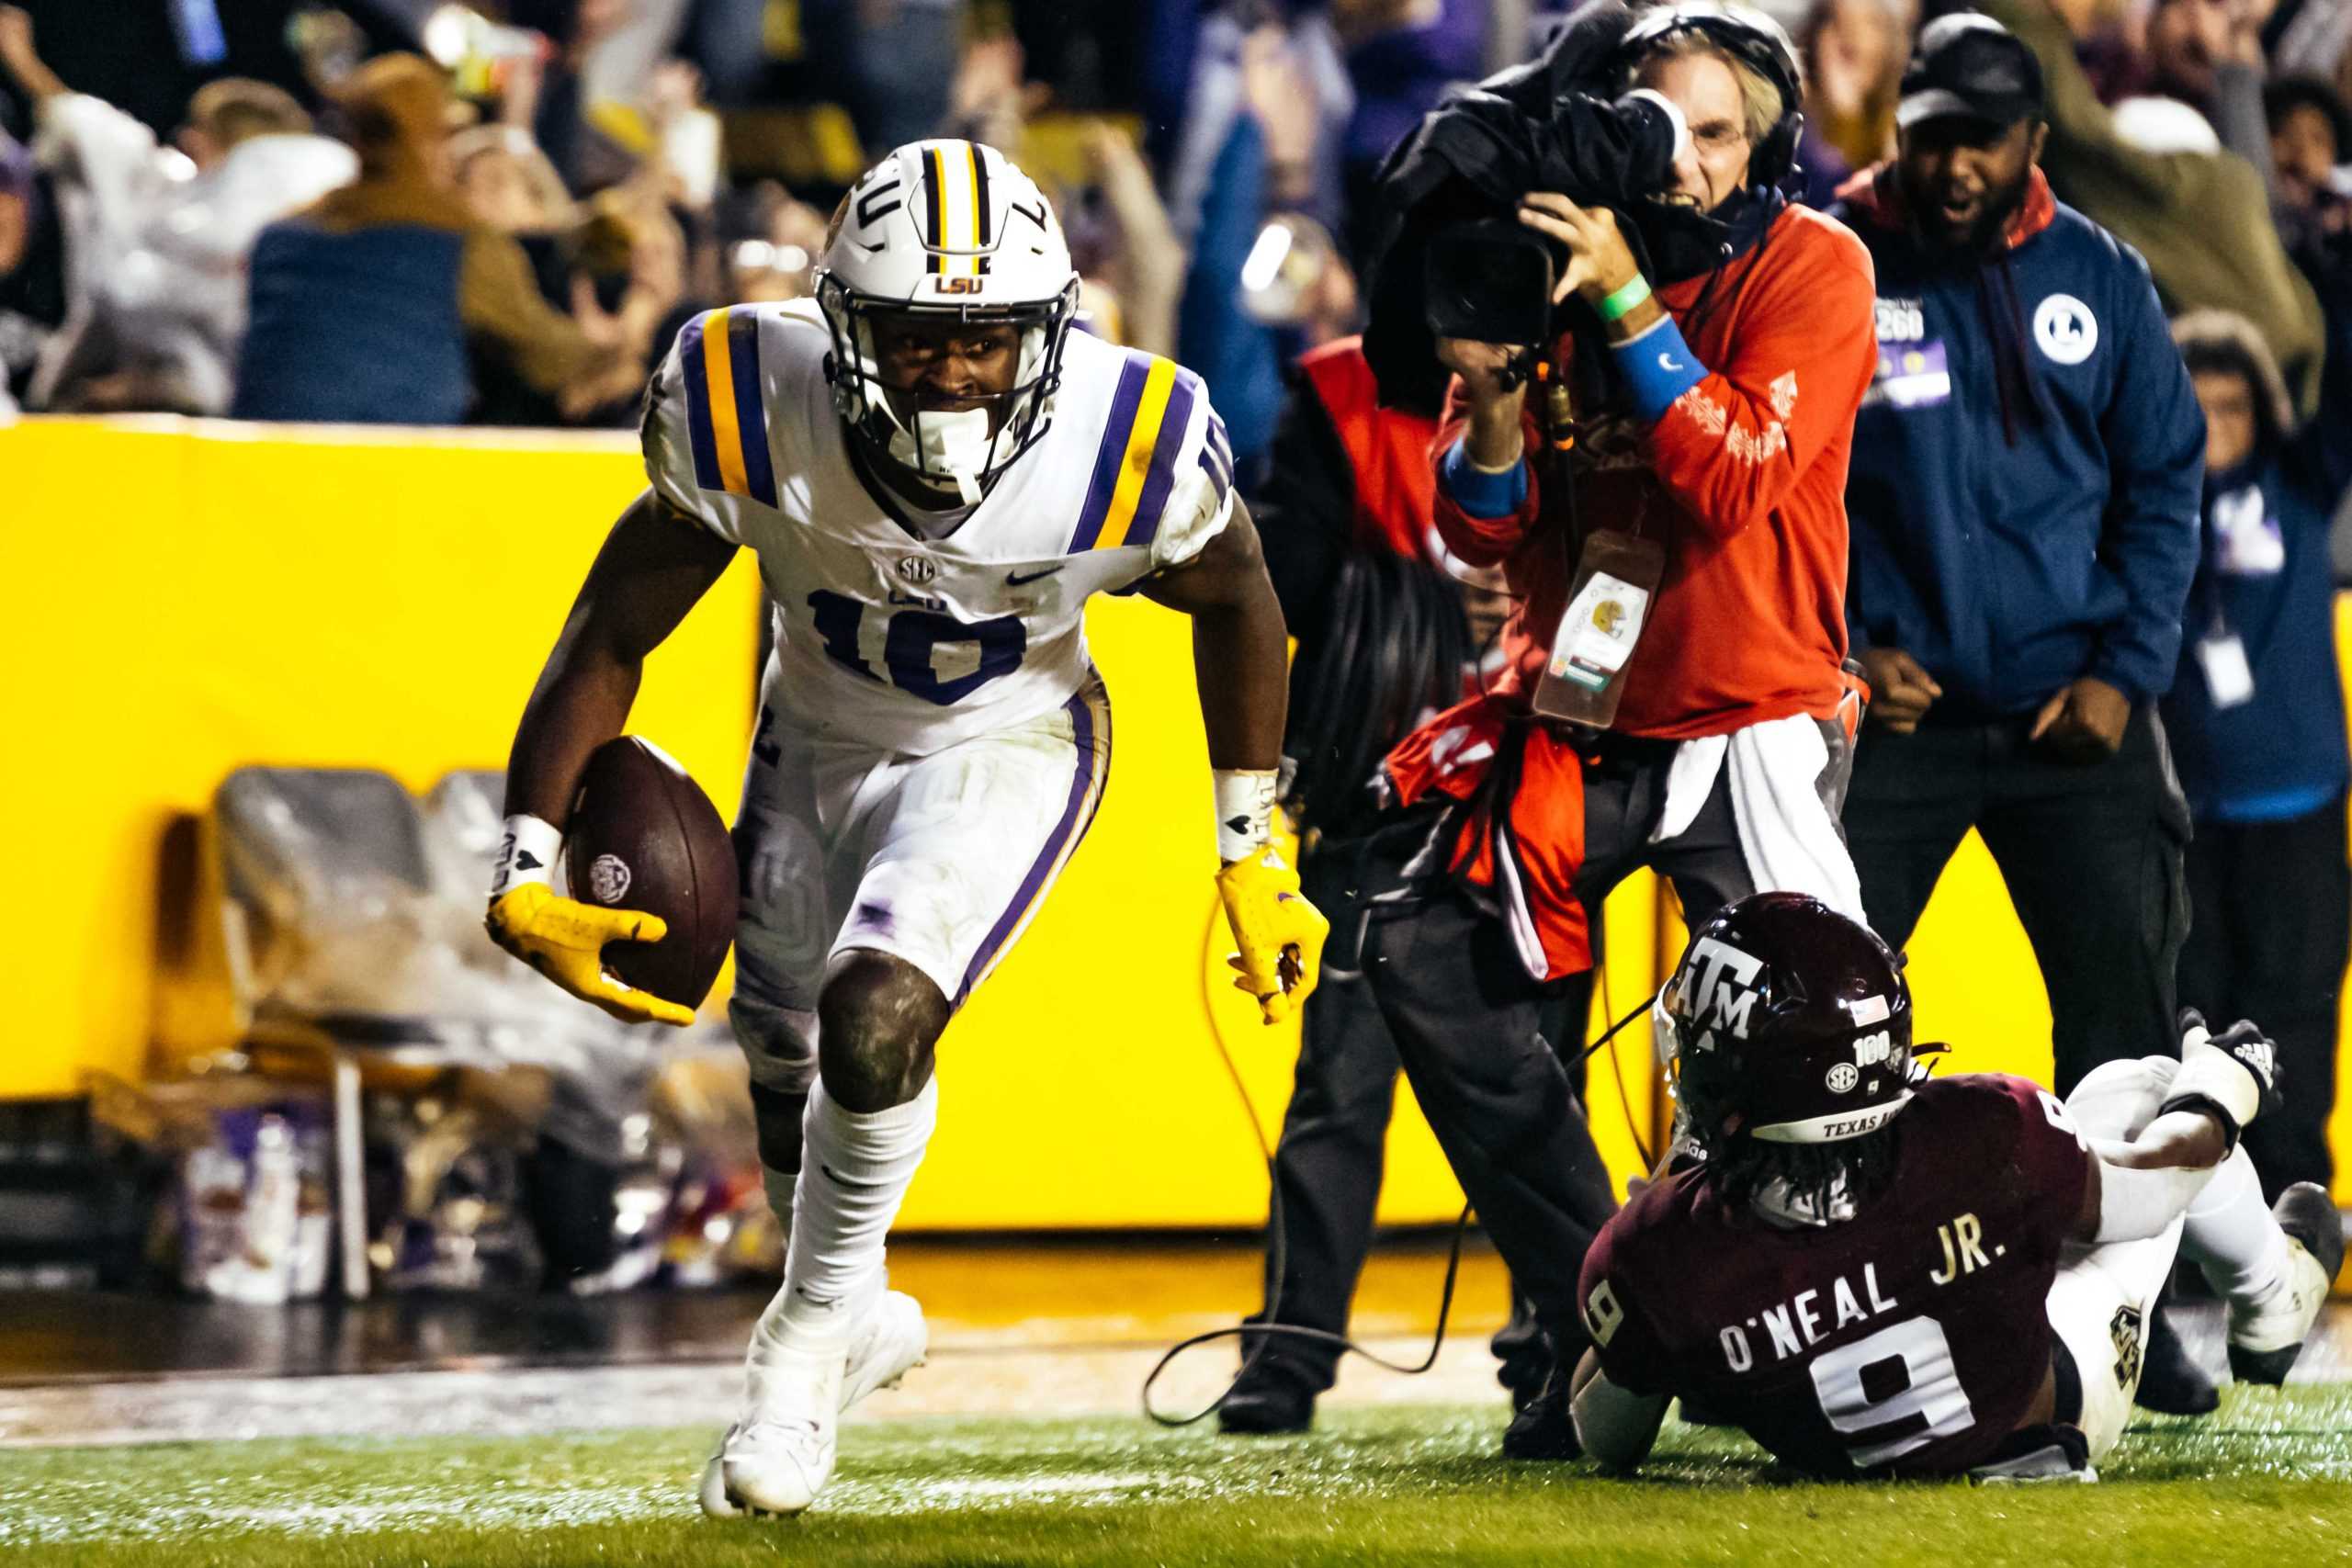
(1744,480)
(1388,450)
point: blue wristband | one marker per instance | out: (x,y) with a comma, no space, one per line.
(1659,367)
(1481,494)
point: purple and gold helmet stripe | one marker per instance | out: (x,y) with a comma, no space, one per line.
(934,199)
(980,225)
(956,187)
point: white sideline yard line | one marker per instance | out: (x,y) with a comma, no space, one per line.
(529,1402)
(67,1518)
(970,1374)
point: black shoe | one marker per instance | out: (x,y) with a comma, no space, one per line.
(1524,1374)
(1544,1430)
(1269,1400)
(2307,1215)
(1523,1352)
(2171,1382)
(1697,1412)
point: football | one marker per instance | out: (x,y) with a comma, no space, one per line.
(643,836)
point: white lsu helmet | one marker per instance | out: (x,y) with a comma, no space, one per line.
(947,229)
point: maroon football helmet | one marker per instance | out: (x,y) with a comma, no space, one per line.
(1791,1016)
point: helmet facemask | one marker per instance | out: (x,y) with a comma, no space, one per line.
(963,450)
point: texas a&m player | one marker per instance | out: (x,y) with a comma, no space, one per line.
(935,473)
(1878,1273)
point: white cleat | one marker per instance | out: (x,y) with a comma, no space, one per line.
(780,1455)
(892,1342)
(2265,1339)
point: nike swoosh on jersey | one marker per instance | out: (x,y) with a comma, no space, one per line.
(1015,579)
(1665,362)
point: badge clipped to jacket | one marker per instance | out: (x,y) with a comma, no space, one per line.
(2221,653)
(1616,576)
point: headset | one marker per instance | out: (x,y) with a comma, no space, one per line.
(1754,40)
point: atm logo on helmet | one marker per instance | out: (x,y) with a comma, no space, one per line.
(1721,991)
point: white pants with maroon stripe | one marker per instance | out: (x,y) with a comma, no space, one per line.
(939,860)
(2104,1296)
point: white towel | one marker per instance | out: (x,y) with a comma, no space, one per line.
(1790,840)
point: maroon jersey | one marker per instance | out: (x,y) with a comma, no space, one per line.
(1911,1338)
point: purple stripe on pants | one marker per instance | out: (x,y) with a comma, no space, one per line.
(1074,822)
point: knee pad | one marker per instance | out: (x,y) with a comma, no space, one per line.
(2115,1099)
(881,1017)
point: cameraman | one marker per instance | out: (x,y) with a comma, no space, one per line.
(1721,440)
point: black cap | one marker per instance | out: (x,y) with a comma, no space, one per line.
(1968,67)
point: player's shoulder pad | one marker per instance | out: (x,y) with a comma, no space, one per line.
(719,384)
(1156,442)
(1991,1113)
(1647,1214)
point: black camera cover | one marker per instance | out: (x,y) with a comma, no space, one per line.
(1490,280)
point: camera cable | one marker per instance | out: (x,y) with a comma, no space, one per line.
(1265,1332)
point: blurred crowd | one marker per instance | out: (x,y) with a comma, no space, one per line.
(495,214)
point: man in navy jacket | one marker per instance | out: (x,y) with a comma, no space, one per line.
(2024,503)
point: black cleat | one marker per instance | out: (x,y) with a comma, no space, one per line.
(1543,1429)
(1267,1401)
(2264,1340)
(2171,1382)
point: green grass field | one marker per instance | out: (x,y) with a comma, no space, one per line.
(2263,1482)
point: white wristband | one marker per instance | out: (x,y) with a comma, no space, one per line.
(2211,1073)
(1245,811)
(527,851)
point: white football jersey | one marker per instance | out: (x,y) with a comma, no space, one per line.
(908,643)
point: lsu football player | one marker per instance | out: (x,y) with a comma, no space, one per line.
(935,473)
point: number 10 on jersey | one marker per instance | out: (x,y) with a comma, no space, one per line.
(909,643)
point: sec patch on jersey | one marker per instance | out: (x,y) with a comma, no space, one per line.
(643,836)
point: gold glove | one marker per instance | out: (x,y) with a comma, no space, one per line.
(1280,934)
(564,940)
